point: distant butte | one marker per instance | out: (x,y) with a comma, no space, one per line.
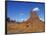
(33,24)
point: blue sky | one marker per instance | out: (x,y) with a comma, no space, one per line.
(19,11)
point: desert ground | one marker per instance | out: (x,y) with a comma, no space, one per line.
(33,24)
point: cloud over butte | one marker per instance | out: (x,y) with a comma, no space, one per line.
(35,9)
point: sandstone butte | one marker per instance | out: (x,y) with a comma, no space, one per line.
(33,24)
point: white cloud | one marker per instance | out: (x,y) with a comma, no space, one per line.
(36,9)
(41,19)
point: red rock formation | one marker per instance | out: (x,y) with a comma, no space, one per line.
(33,24)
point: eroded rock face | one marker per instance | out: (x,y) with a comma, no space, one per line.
(33,24)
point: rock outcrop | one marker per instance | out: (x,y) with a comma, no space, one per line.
(33,24)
